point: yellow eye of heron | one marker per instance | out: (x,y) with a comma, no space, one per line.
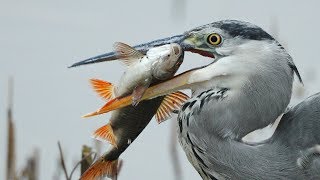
(214,39)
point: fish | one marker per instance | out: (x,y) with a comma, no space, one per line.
(159,64)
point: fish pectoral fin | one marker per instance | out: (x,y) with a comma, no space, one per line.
(101,168)
(103,88)
(127,54)
(138,92)
(105,133)
(170,104)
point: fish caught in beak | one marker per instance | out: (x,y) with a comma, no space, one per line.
(192,41)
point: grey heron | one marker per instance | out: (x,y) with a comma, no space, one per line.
(247,86)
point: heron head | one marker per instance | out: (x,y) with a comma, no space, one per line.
(242,55)
(205,40)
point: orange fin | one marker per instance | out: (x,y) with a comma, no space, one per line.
(104,109)
(100,169)
(90,114)
(103,88)
(169,104)
(105,133)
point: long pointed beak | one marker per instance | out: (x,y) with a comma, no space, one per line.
(142,48)
(179,82)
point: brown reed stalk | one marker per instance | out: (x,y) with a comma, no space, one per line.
(30,171)
(87,156)
(87,160)
(11,149)
(62,163)
(120,164)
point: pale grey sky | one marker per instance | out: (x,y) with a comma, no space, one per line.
(40,38)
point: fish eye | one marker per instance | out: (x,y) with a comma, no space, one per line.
(214,39)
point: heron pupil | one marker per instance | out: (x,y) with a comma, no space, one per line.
(214,39)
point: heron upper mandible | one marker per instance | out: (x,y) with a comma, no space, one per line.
(247,86)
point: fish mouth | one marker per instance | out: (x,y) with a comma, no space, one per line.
(186,41)
(176,58)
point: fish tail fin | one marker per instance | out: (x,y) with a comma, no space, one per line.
(103,88)
(105,133)
(101,168)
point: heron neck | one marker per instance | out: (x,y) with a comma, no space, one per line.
(257,93)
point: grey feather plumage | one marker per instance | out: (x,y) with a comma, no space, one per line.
(250,96)
(220,157)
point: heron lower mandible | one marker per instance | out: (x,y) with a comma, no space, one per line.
(247,86)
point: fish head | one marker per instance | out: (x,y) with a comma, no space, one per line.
(170,57)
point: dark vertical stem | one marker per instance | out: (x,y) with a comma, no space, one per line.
(30,171)
(63,165)
(87,160)
(11,171)
(119,167)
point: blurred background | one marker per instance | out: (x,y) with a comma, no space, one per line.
(39,39)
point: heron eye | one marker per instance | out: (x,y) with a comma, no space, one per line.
(214,39)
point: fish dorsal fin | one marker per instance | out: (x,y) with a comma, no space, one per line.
(103,88)
(127,54)
(169,104)
(105,133)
